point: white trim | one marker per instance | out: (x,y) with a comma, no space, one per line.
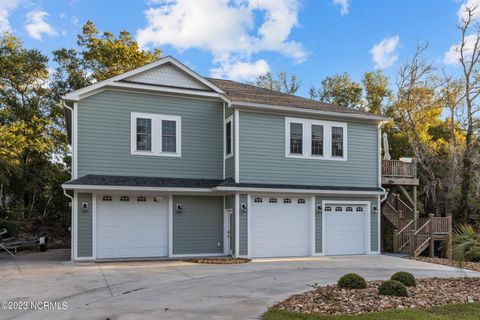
(74,222)
(367,219)
(236,135)
(249,225)
(94,225)
(240,104)
(307,139)
(170,225)
(132,188)
(312,225)
(76,95)
(237,225)
(223,140)
(75,141)
(225,228)
(156,134)
(379,229)
(197,255)
(295,191)
(229,119)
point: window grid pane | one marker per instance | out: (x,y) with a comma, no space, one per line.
(144,134)
(228,137)
(296,137)
(169,136)
(337,141)
(317,140)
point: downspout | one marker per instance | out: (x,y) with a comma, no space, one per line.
(385,193)
(72,235)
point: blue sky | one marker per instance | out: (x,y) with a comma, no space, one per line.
(240,39)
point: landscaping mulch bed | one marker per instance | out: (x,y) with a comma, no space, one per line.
(219,260)
(474,266)
(428,293)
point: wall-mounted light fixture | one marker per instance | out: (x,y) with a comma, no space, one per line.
(179,208)
(374,209)
(243,207)
(84,206)
(319,208)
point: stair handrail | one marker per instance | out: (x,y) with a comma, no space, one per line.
(422,227)
(406,226)
(402,239)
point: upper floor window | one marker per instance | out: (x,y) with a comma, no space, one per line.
(228,137)
(296,138)
(155,134)
(315,139)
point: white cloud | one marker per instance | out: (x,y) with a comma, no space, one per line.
(452,56)
(471,4)
(6,7)
(36,25)
(228,29)
(241,70)
(384,54)
(344,6)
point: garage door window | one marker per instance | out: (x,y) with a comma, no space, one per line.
(359,209)
(301,201)
(107,198)
(287,200)
(124,198)
(349,209)
(272,200)
(258,200)
(141,199)
(328,208)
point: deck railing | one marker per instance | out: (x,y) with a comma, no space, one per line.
(399,169)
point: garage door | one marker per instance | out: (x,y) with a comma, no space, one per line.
(131,226)
(280,227)
(344,229)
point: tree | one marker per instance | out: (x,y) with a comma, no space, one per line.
(340,90)
(98,57)
(282,83)
(377,92)
(469,51)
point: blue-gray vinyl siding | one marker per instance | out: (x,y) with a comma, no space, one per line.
(104,136)
(262,155)
(243,228)
(374,245)
(84,226)
(230,161)
(198,229)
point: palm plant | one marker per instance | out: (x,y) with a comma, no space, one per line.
(466,243)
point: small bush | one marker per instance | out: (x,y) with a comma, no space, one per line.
(352,281)
(393,288)
(405,277)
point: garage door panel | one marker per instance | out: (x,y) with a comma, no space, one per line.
(280,229)
(345,231)
(131,229)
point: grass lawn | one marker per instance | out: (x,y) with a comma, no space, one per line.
(463,311)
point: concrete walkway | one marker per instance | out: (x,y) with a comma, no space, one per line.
(179,290)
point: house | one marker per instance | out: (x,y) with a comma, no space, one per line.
(167,163)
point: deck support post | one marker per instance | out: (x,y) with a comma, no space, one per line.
(412,243)
(432,240)
(395,240)
(449,236)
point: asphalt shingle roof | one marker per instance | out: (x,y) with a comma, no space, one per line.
(241,92)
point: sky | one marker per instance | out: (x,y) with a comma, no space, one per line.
(241,39)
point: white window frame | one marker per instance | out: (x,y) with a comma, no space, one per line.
(229,119)
(156,134)
(307,139)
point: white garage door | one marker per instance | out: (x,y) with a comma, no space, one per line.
(344,229)
(280,227)
(131,226)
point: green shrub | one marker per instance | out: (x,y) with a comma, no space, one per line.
(466,243)
(352,281)
(393,288)
(405,277)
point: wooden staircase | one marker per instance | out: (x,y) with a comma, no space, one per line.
(413,235)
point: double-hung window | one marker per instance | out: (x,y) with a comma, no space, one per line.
(155,134)
(315,139)
(228,137)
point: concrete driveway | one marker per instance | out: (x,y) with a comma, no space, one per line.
(179,290)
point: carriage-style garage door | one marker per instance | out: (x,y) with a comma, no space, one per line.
(131,226)
(280,227)
(345,229)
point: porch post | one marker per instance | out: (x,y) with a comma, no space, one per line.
(432,240)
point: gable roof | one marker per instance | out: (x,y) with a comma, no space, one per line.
(243,94)
(125,80)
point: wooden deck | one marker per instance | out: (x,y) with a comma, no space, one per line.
(396,172)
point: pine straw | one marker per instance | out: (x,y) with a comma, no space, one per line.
(428,293)
(218,260)
(474,266)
